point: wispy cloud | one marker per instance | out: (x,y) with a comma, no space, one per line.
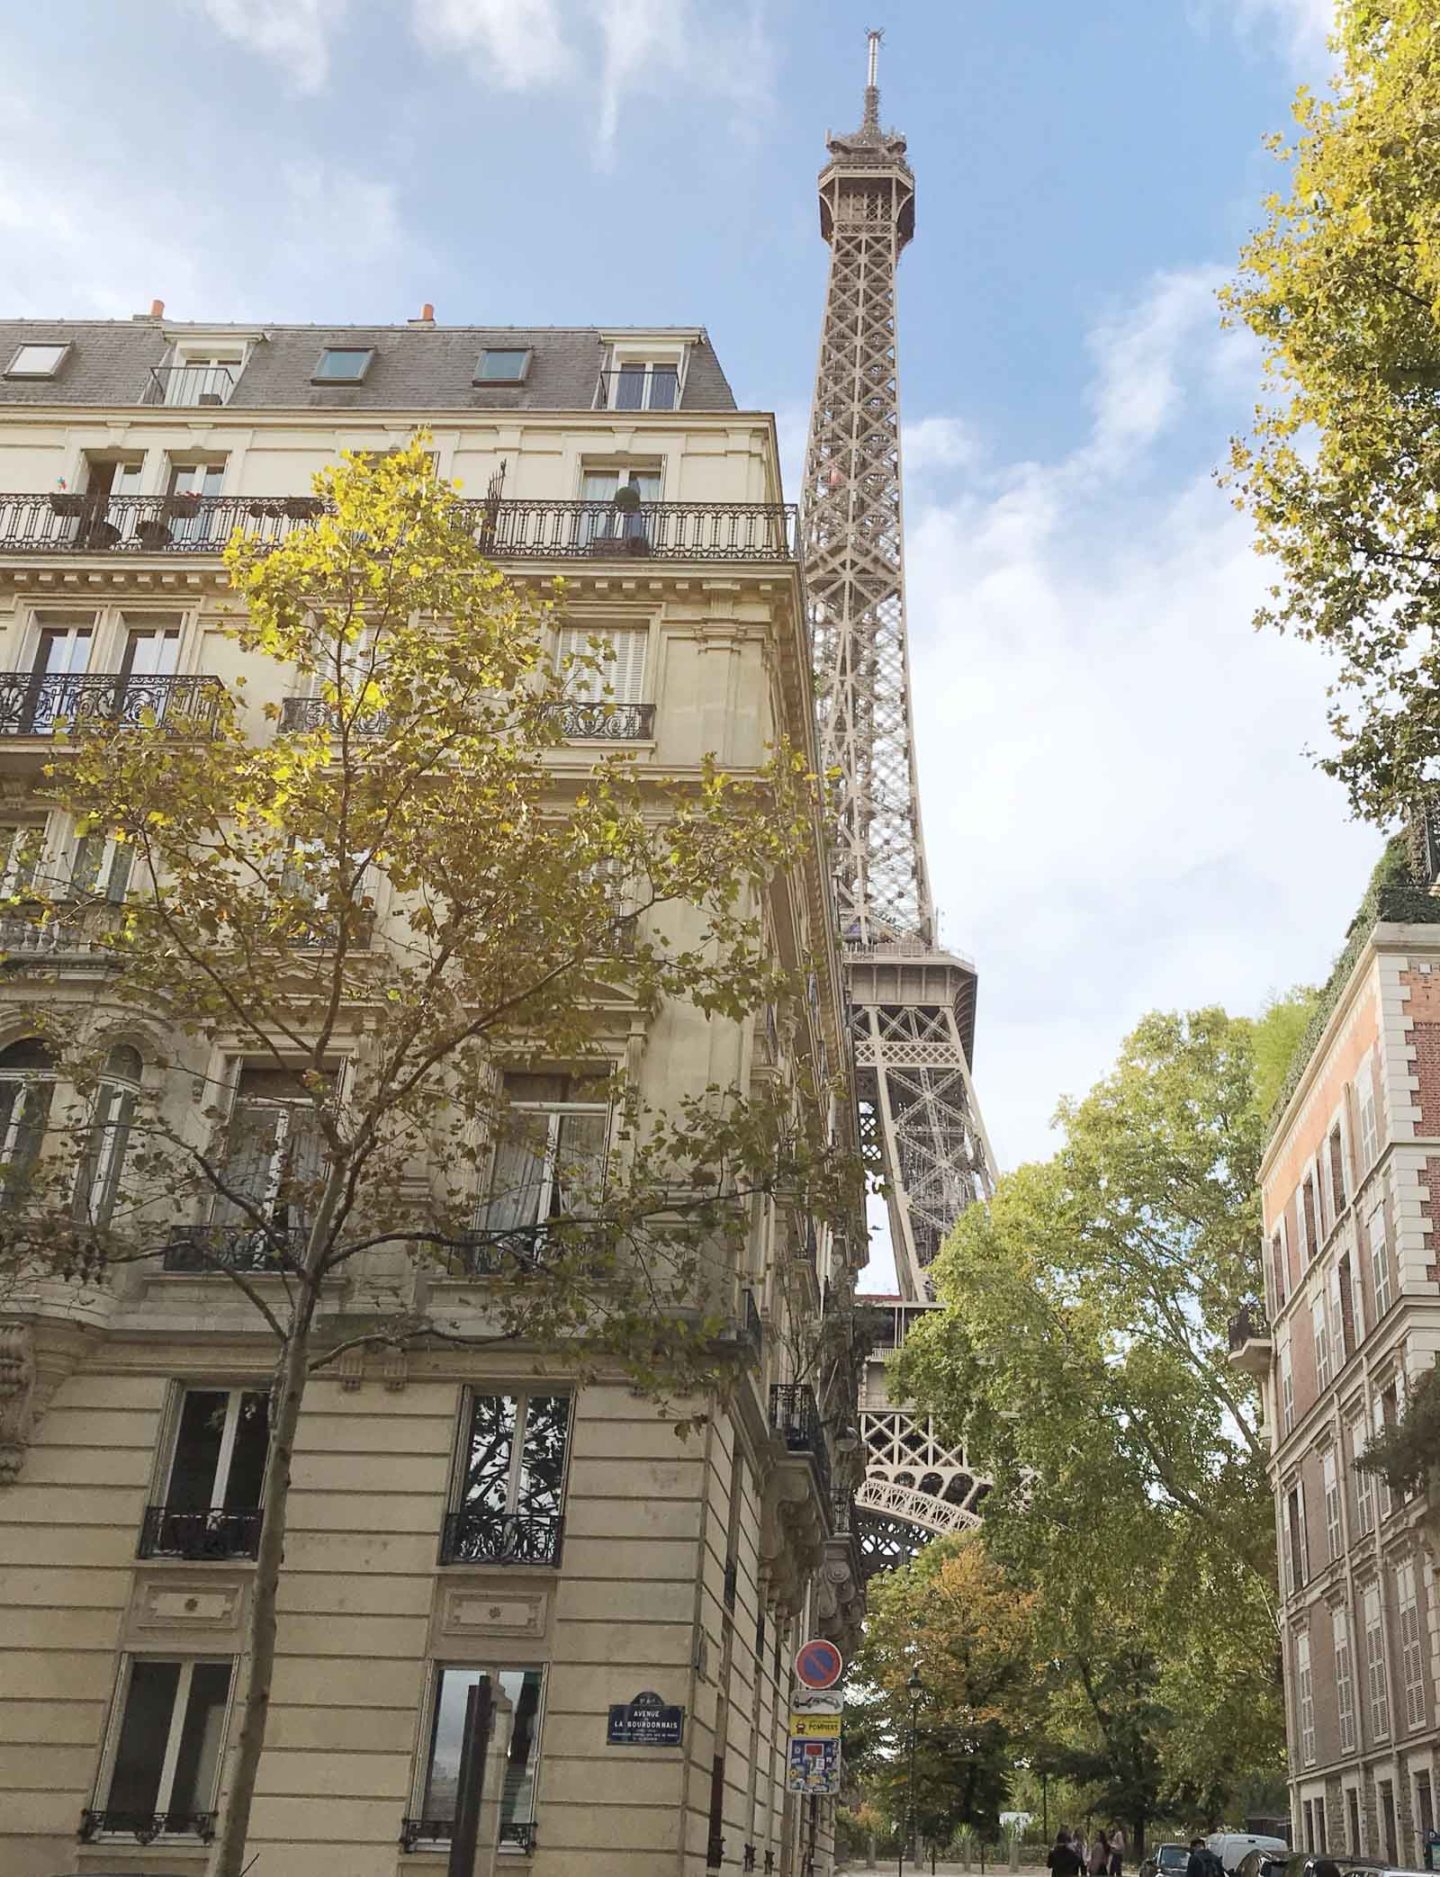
(293,34)
(519,45)
(1302,27)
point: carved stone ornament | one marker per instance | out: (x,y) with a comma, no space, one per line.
(17,1396)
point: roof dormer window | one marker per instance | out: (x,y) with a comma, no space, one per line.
(643,375)
(342,365)
(36,361)
(502,365)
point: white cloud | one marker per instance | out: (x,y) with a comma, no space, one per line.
(1302,27)
(936,444)
(520,44)
(295,34)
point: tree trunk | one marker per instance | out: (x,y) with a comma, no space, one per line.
(258,1661)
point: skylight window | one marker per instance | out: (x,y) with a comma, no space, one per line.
(36,361)
(342,365)
(505,365)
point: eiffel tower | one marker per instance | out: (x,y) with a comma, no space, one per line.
(912,1003)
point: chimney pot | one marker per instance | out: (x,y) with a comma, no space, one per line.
(157,309)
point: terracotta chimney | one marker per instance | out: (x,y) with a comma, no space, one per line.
(157,309)
(427,316)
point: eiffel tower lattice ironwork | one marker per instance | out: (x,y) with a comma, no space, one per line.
(912,1003)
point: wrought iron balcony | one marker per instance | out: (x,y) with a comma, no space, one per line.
(1250,1339)
(313,713)
(480,1535)
(607,722)
(38,704)
(190,384)
(181,1532)
(795,1416)
(24,941)
(202,1248)
(145,1827)
(75,522)
(515,1834)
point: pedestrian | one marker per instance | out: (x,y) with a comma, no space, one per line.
(1063,1860)
(1099,1853)
(1117,1851)
(1201,1861)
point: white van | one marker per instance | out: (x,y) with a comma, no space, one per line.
(1231,1846)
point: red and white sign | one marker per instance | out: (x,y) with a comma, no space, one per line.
(818,1664)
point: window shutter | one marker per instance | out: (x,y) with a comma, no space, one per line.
(627,672)
(623,672)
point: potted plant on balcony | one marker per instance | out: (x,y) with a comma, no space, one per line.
(302,507)
(153,533)
(630,528)
(182,502)
(67,501)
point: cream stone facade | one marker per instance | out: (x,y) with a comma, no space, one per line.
(688,1567)
(1350,1184)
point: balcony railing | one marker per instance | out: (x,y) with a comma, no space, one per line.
(25,940)
(1248,1325)
(37,704)
(180,1532)
(796,1418)
(234,1248)
(607,722)
(68,522)
(480,1535)
(190,384)
(639,388)
(146,1827)
(515,1834)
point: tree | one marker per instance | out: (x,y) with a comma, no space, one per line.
(1342,286)
(952,1616)
(386,902)
(1082,1357)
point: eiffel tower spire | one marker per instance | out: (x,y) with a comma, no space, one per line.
(912,1004)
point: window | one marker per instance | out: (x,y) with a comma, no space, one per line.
(1352,1814)
(274,1155)
(610,518)
(1304,1700)
(1386,1790)
(1309,1228)
(502,365)
(1379,1261)
(203,376)
(1344,1678)
(1278,1268)
(1364,1482)
(27,1087)
(512,1481)
(1412,1655)
(521,1689)
(36,361)
(210,1504)
(1287,1392)
(1343,1301)
(1337,1171)
(151,651)
(97,1184)
(1330,1475)
(1369,1129)
(1320,1328)
(1376,1685)
(340,364)
(166,1763)
(22,847)
(551,1150)
(1384,1408)
(1297,1542)
(1424,1808)
(619,676)
(62,654)
(100,867)
(188,487)
(640,385)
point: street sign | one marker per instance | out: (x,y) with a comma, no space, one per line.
(818,1664)
(817,1700)
(814,1766)
(644,1722)
(805,1725)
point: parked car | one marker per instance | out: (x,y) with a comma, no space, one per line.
(1166,1860)
(1231,1846)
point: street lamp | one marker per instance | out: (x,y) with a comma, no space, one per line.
(916,1688)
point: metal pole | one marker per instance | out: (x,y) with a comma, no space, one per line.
(470,1787)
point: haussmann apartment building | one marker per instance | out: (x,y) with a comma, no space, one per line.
(133,1425)
(1351,1189)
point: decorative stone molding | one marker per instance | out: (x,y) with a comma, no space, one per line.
(792,1527)
(17,1396)
(172,1602)
(469,1609)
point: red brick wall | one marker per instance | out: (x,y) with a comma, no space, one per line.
(1422,1007)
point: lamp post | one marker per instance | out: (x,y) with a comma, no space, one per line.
(916,1688)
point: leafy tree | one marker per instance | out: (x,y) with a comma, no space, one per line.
(1082,1356)
(1407,1455)
(1342,286)
(953,1617)
(384,904)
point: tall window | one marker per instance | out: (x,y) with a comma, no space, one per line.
(1412,1652)
(1376,1682)
(1382,1412)
(551,1152)
(100,867)
(1330,1474)
(274,1154)
(1310,1227)
(1320,1328)
(512,1481)
(166,1764)
(1287,1392)
(62,656)
(151,650)
(1344,1678)
(1364,1482)
(1352,1813)
(521,1689)
(27,1088)
(1296,1538)
(1379,1261)
(636,385)
(619,674)
(210,1507)
(22,846)
(97,1184)
(1347,1328)
(603,519)
(1278,1268)
(1337,1171)
(1369,1127)
(1304,1699)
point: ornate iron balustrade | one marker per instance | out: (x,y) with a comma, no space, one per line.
(189,384)
(521,1833)
(146,1827)
(313,713)
(796,1418)
(36,704)
(197,1535)
(1248,1325)
(66,522)
(607,722)
(202,1248)
(479,1535)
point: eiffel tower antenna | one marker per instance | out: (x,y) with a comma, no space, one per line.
(912,1004)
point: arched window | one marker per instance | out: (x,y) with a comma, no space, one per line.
(27,1087)
(98,1182)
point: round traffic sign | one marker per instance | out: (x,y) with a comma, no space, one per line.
(818,1664)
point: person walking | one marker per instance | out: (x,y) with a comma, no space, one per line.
(1063,1859)
(1099,1854)
(1117,1851)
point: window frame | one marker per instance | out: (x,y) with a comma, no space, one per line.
(556,1111)
(23,844)
(1368,1114)
(524,353)
(522,1394)
(1377,1680)
(28,1079)
(1287,1389)
(107,1141)
(1343,1655)
(235,1393)
(1304,1698)
(1320,1334)
(431,1698)
(1411,1632)
(62,347)
(1330,1490)
(1377,1247)
(165,1787)
(319,375)
(1365,1503)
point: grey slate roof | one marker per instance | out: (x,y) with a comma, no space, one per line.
(414,368)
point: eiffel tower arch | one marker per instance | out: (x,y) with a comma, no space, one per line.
(912,1003)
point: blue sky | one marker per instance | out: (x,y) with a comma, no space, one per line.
(1118,804)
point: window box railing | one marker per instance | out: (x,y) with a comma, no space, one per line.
(190,384)
(75,522)
(795,1416)
(515,1834)
(145,1827)
(181,1532)
(39,704)
(480,1535)
(201,1248)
